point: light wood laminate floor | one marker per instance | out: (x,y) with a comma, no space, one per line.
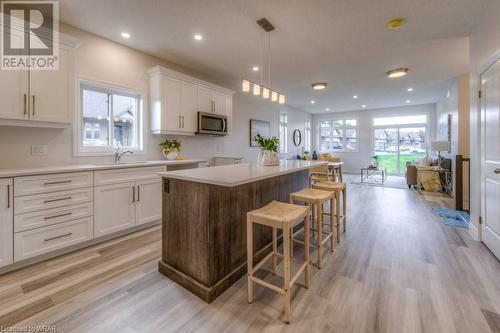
(398,269)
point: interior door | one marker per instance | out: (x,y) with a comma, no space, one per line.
(114,208)
(148,201)
(6,222)
(490,157)
(52,91)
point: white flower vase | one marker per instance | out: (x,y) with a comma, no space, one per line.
(172,155)
(268,158)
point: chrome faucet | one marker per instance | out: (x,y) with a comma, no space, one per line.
(119,154)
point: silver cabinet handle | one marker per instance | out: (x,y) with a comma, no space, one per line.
(59,182)
(497,171)
(8,196)
(60,199)
(138,193)
(25,104)
(56,237)
(133,194)
(33,113)
(56,216)
(182,121)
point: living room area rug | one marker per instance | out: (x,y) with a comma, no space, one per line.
(391,181)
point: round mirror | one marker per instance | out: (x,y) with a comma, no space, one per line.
(297,137)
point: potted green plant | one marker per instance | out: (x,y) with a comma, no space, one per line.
(171,148)
(375,159)
(268,150)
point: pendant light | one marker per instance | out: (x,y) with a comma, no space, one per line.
(267,93)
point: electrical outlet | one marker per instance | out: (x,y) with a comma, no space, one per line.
(38,150)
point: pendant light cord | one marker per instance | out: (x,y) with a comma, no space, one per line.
(262,57)
(269,55)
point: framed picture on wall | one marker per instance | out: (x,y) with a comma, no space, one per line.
(261,127)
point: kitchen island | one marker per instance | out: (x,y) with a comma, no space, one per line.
(204,220)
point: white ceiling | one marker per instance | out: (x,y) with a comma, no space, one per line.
(342,42)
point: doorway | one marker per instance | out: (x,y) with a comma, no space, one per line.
(398,140)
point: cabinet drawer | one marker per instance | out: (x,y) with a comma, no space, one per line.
(51,183)
(28,221)
(114,176)
(33,203)
(35,242)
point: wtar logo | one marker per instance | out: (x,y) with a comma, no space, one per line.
(30,35)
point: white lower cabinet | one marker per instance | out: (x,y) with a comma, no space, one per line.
(114,208)
(6,222)
(122,205)
(148,205)
(38,241)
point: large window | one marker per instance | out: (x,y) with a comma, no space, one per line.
(283,133)
(398,140)
(338,135)
(307,134)
(108,118)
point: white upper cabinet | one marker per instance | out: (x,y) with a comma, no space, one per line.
(176,99)
(52,92)
(43,98)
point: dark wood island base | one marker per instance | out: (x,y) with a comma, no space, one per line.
(204,229)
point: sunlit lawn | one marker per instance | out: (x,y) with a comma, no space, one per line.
(389,161)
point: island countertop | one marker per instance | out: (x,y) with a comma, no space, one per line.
(238,174)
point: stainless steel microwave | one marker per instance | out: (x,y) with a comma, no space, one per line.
(211,124)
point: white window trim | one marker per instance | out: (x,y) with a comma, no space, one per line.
(307,138)
(78,149)
(344,128)
(285,145)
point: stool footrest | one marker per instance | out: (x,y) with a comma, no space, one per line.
(296,276)
(268,285)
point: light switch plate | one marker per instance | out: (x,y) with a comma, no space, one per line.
(38,150)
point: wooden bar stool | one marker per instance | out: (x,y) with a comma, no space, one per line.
(315,198)
(284,216)
(338,189)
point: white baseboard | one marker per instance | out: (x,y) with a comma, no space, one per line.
(474,232)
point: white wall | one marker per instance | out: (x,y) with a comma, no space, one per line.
(484,42)
(101,60)
(354,161)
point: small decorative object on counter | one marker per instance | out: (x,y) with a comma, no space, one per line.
(315,155)
(171,149)
(268,150)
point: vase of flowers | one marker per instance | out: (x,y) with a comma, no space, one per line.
(171,148)
(268,154)
(375,161)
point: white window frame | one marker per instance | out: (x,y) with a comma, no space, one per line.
(285,134)
(78,129)
(344,128)
(307,134)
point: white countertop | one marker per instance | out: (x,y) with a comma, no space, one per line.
(5,173)
(238,174)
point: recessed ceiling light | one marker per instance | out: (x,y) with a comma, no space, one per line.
(355,96)
(319,85)
(408,101)
(410,89)
(398,72)
(327,109)
(363,106)
(125,35)
(198,37)
(255,68)
(396,23)
(312,102)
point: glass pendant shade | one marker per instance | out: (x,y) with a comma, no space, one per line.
(274,96)
(245,86)
(282,99)
(265,93)
(256,89)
